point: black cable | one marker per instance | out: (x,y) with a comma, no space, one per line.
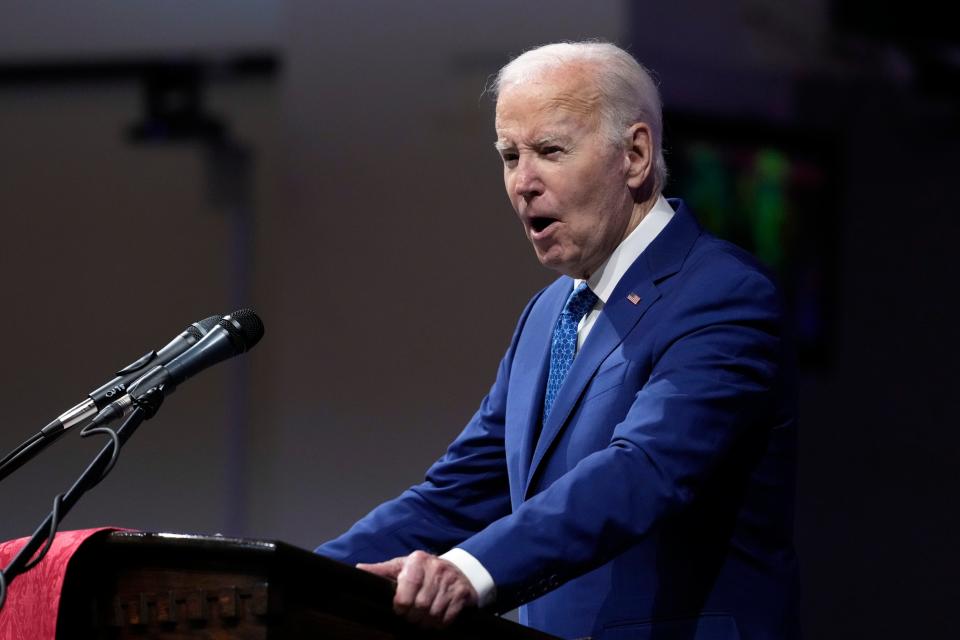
(19,449)
(28,449)
(3,589)
(115,439)
(23,447)
(58,499)
(51,532)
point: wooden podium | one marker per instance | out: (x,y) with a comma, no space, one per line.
(150,585)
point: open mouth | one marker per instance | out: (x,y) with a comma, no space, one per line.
(540,223)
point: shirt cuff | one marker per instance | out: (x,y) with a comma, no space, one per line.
(480,579)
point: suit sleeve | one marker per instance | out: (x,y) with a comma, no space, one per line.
(463,492)
(715,364)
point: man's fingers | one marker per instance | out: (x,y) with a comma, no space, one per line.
(462,595)
(389,569)
(430,591)
(440,603)
(409,581)
(449,592)
(453,611)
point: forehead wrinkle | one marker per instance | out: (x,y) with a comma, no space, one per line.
(586,103)
(536,140)
(549,119)
(567,102)
(581,102)
(560,129)
(550,138)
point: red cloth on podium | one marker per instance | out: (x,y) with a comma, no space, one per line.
(33,599)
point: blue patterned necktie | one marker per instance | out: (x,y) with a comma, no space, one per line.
(564,345)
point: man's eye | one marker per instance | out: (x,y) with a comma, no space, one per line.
(509,158)
(551,150)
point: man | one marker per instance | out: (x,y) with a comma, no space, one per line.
(630,473)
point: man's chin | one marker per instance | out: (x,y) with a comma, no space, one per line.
(558,264)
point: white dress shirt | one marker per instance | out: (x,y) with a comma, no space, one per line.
(602,283)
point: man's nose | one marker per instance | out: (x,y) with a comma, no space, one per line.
(527,183)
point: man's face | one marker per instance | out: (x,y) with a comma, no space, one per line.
(566,180)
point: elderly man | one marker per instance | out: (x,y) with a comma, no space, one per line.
(630,473)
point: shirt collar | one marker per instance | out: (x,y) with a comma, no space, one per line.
(604,280)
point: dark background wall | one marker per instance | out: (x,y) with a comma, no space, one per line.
(376,201)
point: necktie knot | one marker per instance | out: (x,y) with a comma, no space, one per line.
(580,302)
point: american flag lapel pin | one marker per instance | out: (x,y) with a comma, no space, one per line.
(632,297)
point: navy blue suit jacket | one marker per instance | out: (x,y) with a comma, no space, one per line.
(657,500)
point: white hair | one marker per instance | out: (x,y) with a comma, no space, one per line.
(628,91)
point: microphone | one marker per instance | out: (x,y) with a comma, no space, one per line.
(100,397)
(237,332)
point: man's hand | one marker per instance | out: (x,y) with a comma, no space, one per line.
(430,591)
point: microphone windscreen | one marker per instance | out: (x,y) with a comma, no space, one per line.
(245,325)
(199,329)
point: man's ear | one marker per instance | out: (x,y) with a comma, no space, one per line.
(639,155)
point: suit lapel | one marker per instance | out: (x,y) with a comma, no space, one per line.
(530,369)
(661,259)
(614,322)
